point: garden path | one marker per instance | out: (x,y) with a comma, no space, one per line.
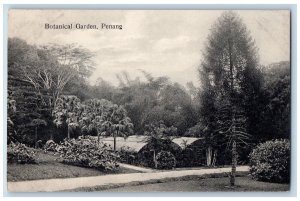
(141,169)
(52,185)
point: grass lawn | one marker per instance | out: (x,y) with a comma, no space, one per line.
(204,185)
(207,183)
(49,168)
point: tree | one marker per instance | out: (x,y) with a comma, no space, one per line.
(158,138)
(23,106)
(157,99)
(26,101)
(11,110)
(210,142)
(20,54)
(230,81)
(139,97)
(55,66)
(151,99)
(67,111)
(178,107)
(92,111)
(274,121)
(117,123)
(36,78)
(103,90)
(106,118)
(37,123)
(94,117)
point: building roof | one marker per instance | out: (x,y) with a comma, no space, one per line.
(137,142)
(185,141)
(134,142)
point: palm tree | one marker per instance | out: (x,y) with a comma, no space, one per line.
(118,123)
(37,123)
(107,118)
(67,110)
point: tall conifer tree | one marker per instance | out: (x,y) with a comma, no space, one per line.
(230,80)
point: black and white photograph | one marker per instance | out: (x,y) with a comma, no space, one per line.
(148,100)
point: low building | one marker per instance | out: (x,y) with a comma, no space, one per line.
(189,151)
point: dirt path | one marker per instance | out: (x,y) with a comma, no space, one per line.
(52,185)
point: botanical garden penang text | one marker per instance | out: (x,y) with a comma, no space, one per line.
(83,26)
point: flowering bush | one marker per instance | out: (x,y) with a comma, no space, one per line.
(270,161)
(19,153)
(87,152)
(165,160)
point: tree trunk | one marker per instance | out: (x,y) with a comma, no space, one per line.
(208,156)
(233,134)
(234,163)
(154,159)
(115,141)
(214,158)
(36,136)
(68,132)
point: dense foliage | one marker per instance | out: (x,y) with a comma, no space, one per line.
(67,112)
(24,111)
(43,72)
(87,152)
(270,161)
(37,76)
(274,114)
(50,145)
(159,138)
(19,153)
(165,160)
(149,99)
(127,155)
(11,109)
(91,117)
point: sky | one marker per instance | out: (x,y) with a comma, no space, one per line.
(161,42)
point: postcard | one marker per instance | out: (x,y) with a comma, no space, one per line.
(148,100)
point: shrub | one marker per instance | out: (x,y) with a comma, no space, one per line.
(165,160)
(19,153)
(39,144)
(87,152)
(127,155)
(50,146)
(270,161)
